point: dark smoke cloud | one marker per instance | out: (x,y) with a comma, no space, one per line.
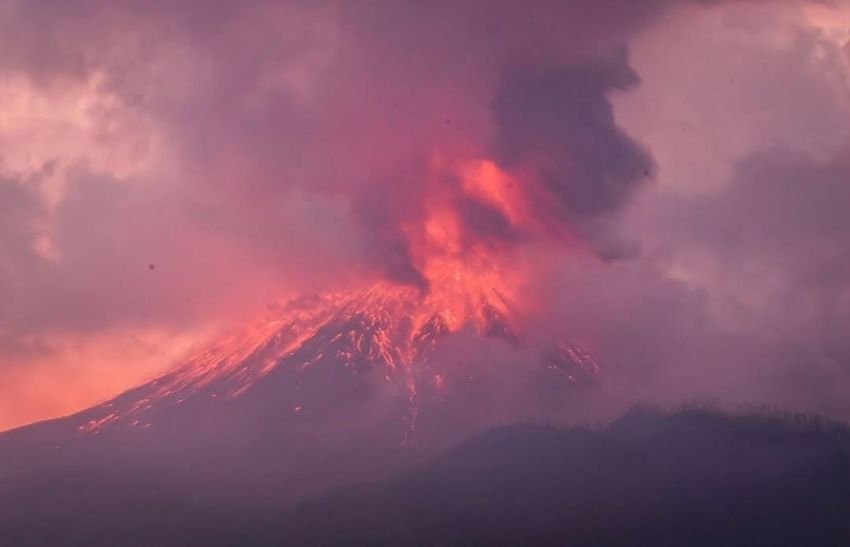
(248,148)
(257,100)
(486,222)
(561,121)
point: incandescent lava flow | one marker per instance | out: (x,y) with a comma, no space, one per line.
(407,345)
(348,385)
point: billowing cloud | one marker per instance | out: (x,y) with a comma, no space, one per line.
(171,166)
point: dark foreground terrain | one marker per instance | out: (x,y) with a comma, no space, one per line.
(689,478)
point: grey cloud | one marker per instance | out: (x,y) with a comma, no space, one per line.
(559,121)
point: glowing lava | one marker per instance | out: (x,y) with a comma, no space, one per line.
(462,245)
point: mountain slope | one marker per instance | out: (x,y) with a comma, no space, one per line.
(689,478)
(693,478)
(329,391)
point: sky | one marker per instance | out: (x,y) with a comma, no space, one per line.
(682,173)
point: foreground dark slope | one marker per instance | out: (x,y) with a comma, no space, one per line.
(690,478)
(693,478)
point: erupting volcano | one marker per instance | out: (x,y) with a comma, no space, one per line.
(383,376)
(314,351)
(389,370)
(383,335)
(388,272)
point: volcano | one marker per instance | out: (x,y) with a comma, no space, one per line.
(324,352)
(326,391)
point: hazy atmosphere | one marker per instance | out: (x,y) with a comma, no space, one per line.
(665,183)
(410,273)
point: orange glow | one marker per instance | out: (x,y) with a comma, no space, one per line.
(484,180)
(466,276)
(79,372)
(473,281)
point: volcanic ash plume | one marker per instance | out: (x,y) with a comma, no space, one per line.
(455,339)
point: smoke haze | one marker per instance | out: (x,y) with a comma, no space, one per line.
(665,182)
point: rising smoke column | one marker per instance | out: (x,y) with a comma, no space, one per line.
(256,148)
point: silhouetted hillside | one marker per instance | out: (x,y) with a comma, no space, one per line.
(691,478)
